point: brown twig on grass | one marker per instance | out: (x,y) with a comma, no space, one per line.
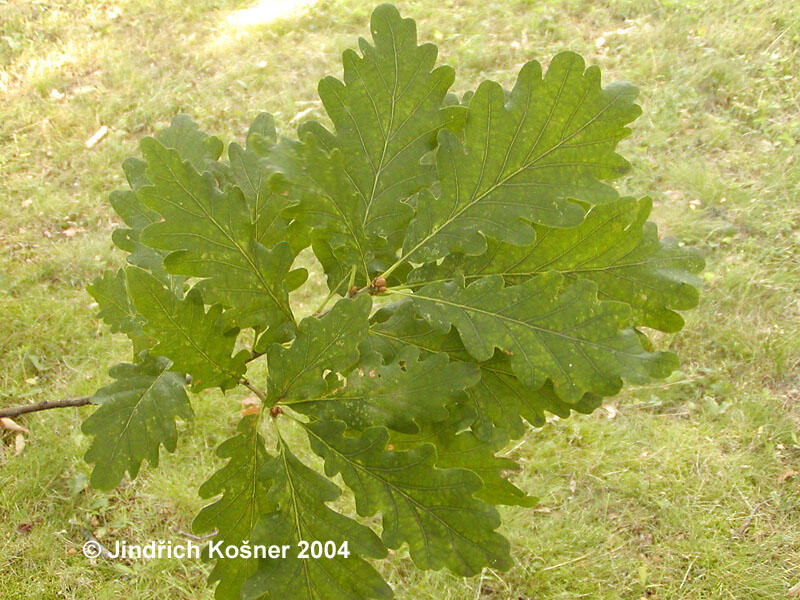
(196,538)
(743,529)
(15,411)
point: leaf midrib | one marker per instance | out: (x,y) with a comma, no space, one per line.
(134,411)
(296,514)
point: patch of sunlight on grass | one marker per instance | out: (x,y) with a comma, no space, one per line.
(266,11)
(241,23)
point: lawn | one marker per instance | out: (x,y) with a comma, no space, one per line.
(681,490)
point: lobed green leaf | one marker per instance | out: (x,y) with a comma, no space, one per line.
(400,395)
(498,399)
(524,159)
(615,246)
(465,450)
(299,496)
(548,330)
(432,510)
(329,342)
(210,235)
(135,417)
(111,293)
(243,499)
(188,335)
(353,183)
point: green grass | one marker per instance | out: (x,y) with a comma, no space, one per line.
(652,503)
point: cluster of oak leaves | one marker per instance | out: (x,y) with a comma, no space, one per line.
(481,272)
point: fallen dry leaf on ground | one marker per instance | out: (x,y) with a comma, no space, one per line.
(11,425)
(96,138)
(250,405)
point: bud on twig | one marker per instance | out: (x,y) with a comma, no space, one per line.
(378,285)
